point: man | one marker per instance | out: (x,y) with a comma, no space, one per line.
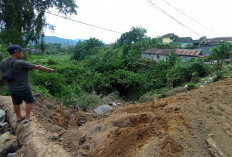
(19,87)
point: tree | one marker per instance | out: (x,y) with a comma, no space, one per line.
(172,59)
(42,43)
(220,53)
(86,48)
(26,17)
(134,35)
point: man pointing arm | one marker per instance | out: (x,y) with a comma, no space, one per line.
(19,87)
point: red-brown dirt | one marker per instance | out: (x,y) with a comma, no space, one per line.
(194,123)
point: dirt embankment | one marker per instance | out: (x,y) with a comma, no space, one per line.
(194,123)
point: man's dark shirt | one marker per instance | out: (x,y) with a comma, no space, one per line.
(20,73)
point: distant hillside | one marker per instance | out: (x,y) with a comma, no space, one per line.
(64,42)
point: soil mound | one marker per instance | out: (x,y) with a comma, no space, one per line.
(194,123)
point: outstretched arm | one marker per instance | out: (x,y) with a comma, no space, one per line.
(39,67)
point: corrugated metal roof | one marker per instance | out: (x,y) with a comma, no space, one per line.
(158,51)
(188,52)
(168,35)
(184,39)
(218,40)
(180,52)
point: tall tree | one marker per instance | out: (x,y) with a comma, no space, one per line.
(27,17)
(86,48)
(220,53)
(134,35)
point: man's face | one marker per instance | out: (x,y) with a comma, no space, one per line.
(19,54)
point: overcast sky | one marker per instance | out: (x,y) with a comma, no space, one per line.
(214,18)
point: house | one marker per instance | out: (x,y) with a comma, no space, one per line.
(169,38)
(217,41)
(206,49)
(161,54)
(187,54)
(156,54)
(183,41)
(212,43)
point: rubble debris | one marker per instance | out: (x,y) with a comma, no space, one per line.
(8,144)
(2,116)
(213,149)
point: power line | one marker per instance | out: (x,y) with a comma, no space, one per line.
(191,18)
(173,18)
(67,18)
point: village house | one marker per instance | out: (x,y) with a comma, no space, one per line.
(218,40)
(169,38)
(183,41)
(161,54)
(212,43)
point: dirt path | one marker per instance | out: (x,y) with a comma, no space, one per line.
(195,123)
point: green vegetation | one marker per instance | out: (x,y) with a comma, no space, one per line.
(3,51)
(111,69)
(191,86)
(23,21)
(93,72)
(220,53)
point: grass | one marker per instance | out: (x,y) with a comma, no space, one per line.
(62,59)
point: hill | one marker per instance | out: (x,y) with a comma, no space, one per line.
(64,42)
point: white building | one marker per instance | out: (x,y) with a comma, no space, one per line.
(161,54)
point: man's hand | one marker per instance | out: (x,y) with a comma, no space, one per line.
(51,70)
(39,67)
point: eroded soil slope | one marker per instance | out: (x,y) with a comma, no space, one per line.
(195,123)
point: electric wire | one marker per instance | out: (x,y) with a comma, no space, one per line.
(172,17)
(191,18)
(67,18)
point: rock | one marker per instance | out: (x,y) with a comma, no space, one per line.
(213,149)
(84,108)
(82,140)
(8,144)
(77,107)
(4,127)
(85,154)
(11,155)
(55,136)
(2,116)
(86,147)
(102,109)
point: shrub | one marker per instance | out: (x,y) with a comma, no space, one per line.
(88,100)
(191,86)
(181,73)
(129,84)
(3,52)
(4,91)
(52,62)
(53,82)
